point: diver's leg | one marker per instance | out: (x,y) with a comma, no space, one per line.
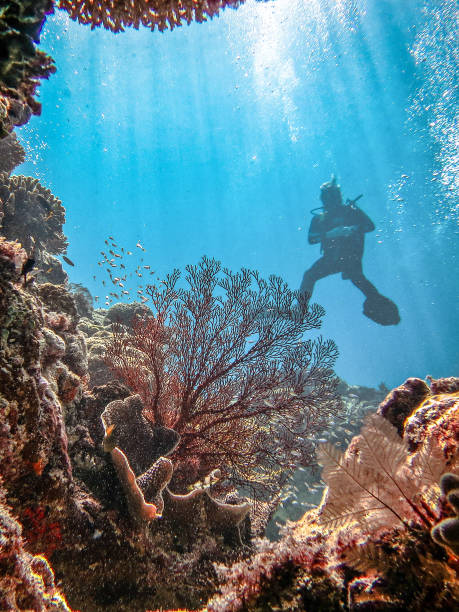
(321,268)
(361,282)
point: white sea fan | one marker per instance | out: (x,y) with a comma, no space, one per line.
(378,481)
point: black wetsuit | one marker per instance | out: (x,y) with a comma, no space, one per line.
(342,253)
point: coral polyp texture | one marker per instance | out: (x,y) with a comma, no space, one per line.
(223,362)
(26,581)
(31,214)
(11,153)
(446,533)
(115,15)
(21,64)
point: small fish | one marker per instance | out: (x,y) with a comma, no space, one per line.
(121,285)
(147,267)
(108,442)
(67,260)
(106,242)
(118,255)
(139,246)
(103,283)
(111,252)
(129,252)
(125,292)
(122,266)
(27,266)
(96,298)
(48,271)
(37,467)
(94,277)
(144,299)
(111,238)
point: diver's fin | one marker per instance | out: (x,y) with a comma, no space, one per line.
(381,309)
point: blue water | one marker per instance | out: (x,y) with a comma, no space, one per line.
(214,139)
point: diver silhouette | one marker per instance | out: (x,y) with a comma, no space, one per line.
(340,229)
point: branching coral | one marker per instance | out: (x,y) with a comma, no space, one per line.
(152,14)
(223,363)
(21,64)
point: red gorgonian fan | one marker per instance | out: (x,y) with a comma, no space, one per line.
(224,363)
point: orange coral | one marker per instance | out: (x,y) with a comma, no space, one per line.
(116,14)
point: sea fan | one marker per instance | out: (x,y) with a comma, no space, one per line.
(377,478)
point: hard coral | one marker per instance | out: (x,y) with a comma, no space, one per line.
(152,14)
(26,581)
(11,153)
(21,64)
(446,533)
(12,253)
(139,439)
(31,214)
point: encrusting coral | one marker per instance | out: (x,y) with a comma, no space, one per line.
(152,14)
(26,581)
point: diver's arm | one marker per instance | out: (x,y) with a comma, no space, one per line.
(363,222)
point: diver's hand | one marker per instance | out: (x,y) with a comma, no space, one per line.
(348,230)
(341,232)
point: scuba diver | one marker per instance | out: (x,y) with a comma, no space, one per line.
(340,229)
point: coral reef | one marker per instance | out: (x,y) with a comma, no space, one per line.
(231,374)
(21,64)
(153,14)
(143,441)
(446,533)
(401,401)
(379,555)
(31,214)
(26,581)
(11,153)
